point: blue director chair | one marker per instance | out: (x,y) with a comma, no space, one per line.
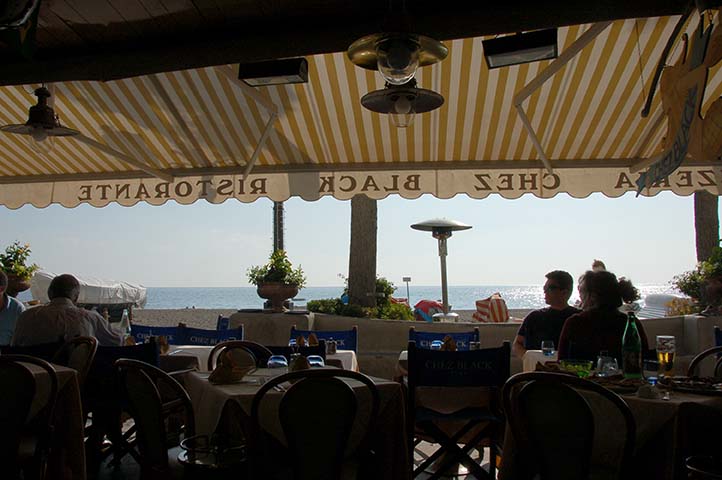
(198,336)
(462,339)
(141,334)
(345,339)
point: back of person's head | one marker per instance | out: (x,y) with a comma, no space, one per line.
(3,281)
(562,279)
(605,291)
(65,286)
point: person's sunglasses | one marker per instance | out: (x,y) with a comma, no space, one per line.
(550,288)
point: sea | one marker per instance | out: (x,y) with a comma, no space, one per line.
(460,297)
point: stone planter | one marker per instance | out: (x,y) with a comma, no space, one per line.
(276,293)
(16,285)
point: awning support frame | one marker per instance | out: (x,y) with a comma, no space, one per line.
(264,102)
(545,75)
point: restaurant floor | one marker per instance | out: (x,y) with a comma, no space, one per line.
(129,469)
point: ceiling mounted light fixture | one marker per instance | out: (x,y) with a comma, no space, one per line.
(402,102)
(42,123)
(274,72)
(521,48)
(396,52)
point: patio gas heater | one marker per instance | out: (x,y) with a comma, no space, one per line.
(441,229)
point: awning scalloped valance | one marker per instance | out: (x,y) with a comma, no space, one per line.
(476,183)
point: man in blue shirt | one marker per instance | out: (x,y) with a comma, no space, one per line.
(10,310)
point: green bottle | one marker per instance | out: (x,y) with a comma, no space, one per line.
(631,349)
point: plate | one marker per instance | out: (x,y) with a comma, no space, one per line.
(699,386)
(699,391)
(213,461)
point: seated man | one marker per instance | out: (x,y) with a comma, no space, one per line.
(10,310)
(547,323)
(61,319)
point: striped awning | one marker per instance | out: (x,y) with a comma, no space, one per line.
(193,134)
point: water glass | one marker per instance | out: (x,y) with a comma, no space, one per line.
(277,361)
(665,354)
(607,366)
(316,361)
(547,347)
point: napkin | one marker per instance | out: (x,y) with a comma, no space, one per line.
(449,344)
(227,371)
(163,345)
(299,363)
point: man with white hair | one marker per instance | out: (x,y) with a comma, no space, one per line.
(10,310)
(60,319)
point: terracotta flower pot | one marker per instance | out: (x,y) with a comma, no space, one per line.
(276,293)
(16,285)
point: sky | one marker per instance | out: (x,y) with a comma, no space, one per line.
(512,242)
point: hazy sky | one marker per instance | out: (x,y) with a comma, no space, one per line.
(513,242)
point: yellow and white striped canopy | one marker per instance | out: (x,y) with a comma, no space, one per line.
(197,130)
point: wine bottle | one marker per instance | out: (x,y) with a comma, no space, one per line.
(631,349)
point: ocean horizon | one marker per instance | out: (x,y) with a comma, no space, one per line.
(461,297)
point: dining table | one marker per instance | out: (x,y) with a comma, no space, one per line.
(532,357)
(388,438)
(67,450)
(345,359)
(667,431)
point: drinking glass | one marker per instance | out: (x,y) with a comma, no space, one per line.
(277,361)
(665,354)
(607,366)
(547,347)
(315,361)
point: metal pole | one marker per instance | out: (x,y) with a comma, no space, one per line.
(442,257)
(408,297)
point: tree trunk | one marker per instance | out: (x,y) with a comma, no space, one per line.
(706,224)
(362,252)
(278,217)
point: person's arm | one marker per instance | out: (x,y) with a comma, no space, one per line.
(104,333)
(517,348)
(565,338)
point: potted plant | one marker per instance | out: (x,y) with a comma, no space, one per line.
(277,281)
(13,263)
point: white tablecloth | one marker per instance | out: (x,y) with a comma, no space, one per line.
(389,438)
(531,357)
(346,358)
(200,351)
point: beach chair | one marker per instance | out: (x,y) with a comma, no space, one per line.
(345,339)
(462,339)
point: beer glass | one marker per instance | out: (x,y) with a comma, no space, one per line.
(665,354)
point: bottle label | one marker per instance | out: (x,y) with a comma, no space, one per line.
(632,364)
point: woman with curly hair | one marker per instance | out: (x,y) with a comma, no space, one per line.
(600,326)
